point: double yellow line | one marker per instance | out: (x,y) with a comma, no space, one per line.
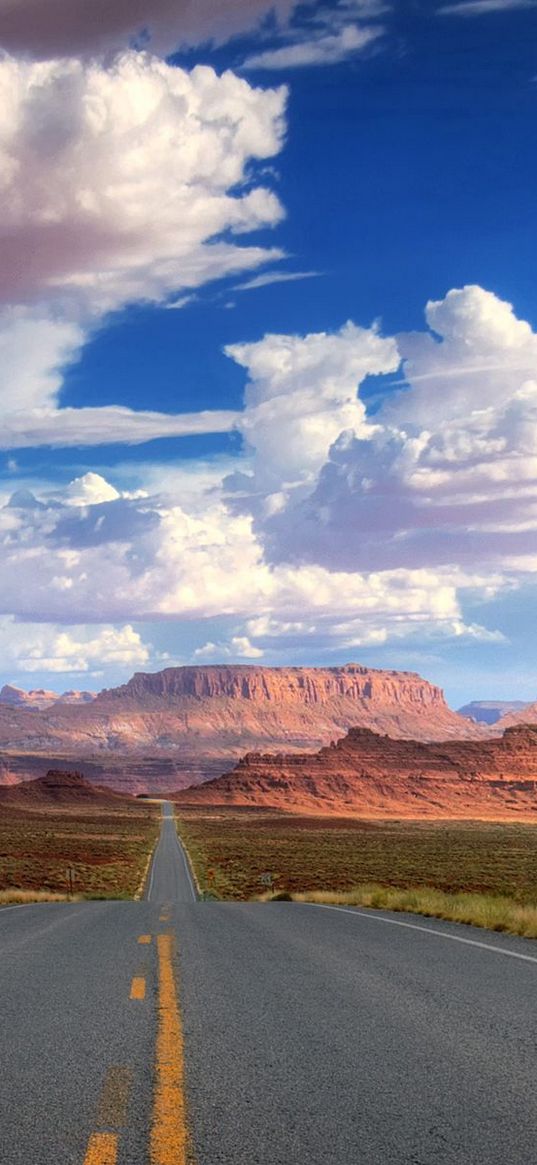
(169,1140)
(169,1136)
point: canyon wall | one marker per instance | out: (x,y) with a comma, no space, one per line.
(369,775)
(184,725)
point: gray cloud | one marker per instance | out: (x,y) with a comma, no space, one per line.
(121,520)
(48,28)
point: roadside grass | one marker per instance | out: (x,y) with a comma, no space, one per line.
(231,849)
(107,850)
(480,873)
(20,897)
(489,911)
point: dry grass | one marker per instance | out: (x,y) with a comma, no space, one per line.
(106,848)
(485,910)
(21,897)
(232,849)
(481,873)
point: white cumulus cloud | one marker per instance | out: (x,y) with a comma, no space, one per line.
(238,647)
(334,528)
(116,179)
(149,559)
(49,648)
(118,182)
(447,474)
(302,393)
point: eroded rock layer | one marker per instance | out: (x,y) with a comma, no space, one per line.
(183,725)
(369,775)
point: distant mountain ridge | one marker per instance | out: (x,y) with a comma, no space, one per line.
(40,698)
(194,722)
(527,715)
(491,711)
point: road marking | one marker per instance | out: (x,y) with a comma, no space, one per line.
(28,905)
(455,938)
(138,987)
(114,1099)
(144,938)
(153,862)
(19,906)
(169,1136)
(102,1149)
(188,868)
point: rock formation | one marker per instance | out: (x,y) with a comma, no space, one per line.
(56,787)
(183,725)
(368,775)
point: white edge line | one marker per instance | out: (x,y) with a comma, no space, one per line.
(153,856)
(19,906)
(171,817)
(182,850)
(456,938)
(186,861)
(50,902)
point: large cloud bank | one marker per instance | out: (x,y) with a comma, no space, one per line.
(83,27)
(118,185)
(446,471)
(126,180)
(301,33)
(116,180)
(336,528)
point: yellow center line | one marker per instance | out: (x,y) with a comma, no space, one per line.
(169,1136)
(144,938)
(102,1149)
(138,987)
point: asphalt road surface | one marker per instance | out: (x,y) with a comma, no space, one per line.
(170,879)
(261,1034)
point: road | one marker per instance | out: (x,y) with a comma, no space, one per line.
(170,879)
(261,1034)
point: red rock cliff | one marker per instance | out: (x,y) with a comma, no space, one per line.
(293,685)
(205,718)
(369,775)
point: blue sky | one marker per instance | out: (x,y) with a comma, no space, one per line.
(183,251)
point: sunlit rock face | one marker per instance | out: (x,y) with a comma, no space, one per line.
(185,725)
(368,775)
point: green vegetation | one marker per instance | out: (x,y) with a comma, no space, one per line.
(231,849)
(107,849)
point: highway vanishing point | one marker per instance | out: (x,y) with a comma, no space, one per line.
(177,1032)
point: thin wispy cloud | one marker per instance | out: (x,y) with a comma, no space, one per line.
(482,7)
(274,277)
(183,301)
(324,49)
